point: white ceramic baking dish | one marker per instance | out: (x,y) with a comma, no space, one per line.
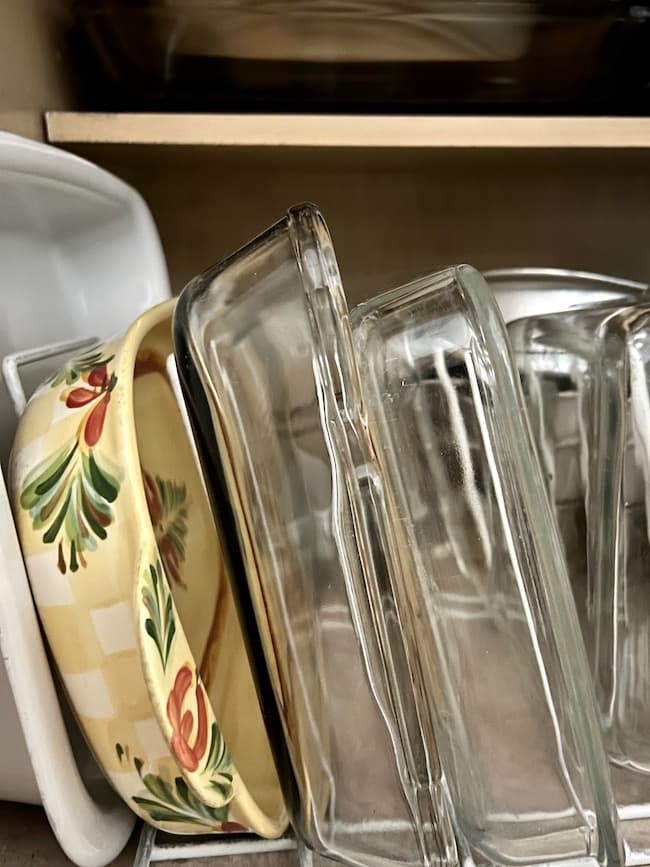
(80,258)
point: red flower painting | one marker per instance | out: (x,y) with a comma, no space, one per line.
(188,752)
(97,390)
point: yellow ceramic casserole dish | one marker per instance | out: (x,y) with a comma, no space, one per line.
(128,578)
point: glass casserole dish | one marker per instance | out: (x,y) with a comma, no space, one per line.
(585,376)
(410,619)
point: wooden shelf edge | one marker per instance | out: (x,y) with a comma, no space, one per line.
(347,131)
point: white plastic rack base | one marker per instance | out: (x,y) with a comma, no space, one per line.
(154,847)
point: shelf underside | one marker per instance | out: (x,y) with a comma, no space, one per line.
(348,131)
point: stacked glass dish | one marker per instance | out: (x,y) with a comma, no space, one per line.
(396,560)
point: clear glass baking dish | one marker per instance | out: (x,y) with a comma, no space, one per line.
(526,292)
(586,379)
(399,575)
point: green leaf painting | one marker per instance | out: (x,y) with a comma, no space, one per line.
(168,506)
(172,801)
(69,497)
(218,763)
(74,369)
(160,624)
(69,494)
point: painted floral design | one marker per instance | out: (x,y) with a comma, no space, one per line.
(189,742)
(218,765)
(160,624)
(165,800)
(197,745)
(74,369)
(168,505)
(69,494)
(188,751)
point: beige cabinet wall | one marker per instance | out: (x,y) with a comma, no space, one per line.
(34,71)
(396,213)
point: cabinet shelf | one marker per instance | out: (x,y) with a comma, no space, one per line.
(347,131)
